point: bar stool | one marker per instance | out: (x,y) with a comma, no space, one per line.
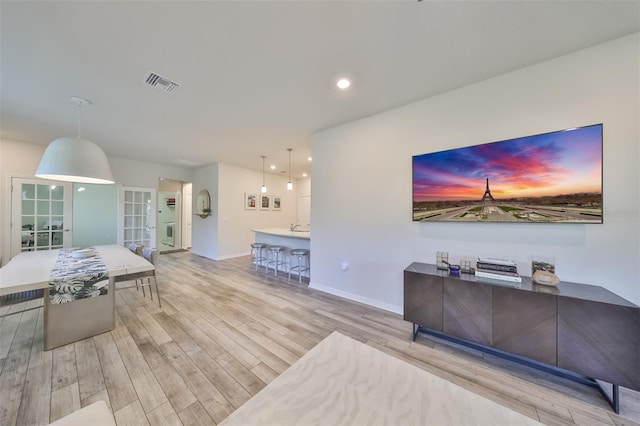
(300,254)
(257,255)
(273,258)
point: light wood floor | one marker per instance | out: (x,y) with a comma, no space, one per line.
(222,334)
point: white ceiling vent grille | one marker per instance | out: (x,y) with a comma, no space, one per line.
(161,83)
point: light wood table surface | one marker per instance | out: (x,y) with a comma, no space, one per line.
(31,270)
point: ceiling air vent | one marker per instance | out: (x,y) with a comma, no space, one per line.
(161,83)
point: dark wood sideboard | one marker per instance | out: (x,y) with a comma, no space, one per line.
(574,327)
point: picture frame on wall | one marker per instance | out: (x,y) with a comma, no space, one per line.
(250,201)
(265,202)
(277,202)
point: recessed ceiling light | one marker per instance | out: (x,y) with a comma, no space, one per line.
(273,167)
(304,175)
(343,83)
(310,158)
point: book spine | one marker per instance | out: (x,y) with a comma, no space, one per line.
(498,276)
(490,271)
(495,267)
(496,261)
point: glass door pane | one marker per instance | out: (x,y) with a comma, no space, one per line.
(138,216)
(40,215)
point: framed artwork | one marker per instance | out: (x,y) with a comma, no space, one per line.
(250,201)
(276,202)
(265,202)
(547,178)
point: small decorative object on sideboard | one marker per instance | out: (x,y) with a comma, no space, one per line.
(543,270)
(545,278)
(466,267)
(543,263)
(454,270)
(442,260)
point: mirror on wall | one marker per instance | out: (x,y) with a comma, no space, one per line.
(203,203)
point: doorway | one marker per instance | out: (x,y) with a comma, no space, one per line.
(173,215)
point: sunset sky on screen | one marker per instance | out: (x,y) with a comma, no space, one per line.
(564,162)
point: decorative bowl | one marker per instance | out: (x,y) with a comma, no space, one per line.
(82,253)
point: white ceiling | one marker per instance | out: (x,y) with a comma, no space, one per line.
(259,77)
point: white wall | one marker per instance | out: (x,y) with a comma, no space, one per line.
(95,215)
(204,235)
(303,216)
(145,175)
(236,223)
(303,186)
(361,205)
(232,234)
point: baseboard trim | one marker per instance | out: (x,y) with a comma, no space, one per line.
(225,257)
(231,256)
(357,298)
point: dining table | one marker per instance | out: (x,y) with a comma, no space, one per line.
(80,283)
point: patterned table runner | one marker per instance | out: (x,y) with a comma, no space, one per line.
(75,278)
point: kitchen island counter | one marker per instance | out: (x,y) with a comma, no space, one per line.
(287,238)
(284,232)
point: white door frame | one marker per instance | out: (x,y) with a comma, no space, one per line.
(187,215)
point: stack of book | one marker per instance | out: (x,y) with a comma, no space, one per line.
(498,269)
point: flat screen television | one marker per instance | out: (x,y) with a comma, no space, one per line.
(553,177)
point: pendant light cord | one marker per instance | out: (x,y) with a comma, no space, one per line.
(80,102)
(80,119)
(289,149)
(289,184)
(264,187)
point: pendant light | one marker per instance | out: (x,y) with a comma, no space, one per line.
(289,184)
(264,187)
(75,159)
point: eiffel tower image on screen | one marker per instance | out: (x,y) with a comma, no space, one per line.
(487,197)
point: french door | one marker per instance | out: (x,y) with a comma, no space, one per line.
(138,216)
(40,215)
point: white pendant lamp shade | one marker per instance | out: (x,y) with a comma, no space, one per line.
(75,159)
